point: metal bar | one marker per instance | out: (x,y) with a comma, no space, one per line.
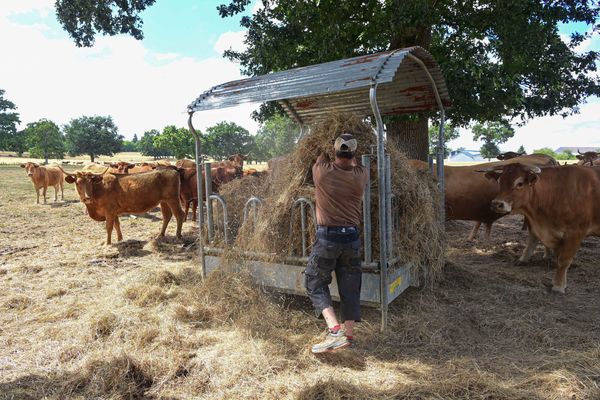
(383,252)
(292,110)
(225,218)
(253,201)
(366,161)
(372,267)
(440,166)
(209,210)
(303,225)
(198,157)
(388,204)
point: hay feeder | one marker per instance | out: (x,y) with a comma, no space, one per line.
(389,83)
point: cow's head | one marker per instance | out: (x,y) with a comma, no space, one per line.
(30,168)
(84,182)
(516,185)
(121,167)
(587,158)
(238,159)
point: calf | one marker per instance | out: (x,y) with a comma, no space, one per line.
(42,177)
(560,203)
(108,195)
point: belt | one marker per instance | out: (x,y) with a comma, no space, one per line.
(337,229)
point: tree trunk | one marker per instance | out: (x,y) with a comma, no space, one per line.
(410,136)
(92,156)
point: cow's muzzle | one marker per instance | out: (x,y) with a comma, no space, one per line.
(87,200)
(30,174)
(501,206)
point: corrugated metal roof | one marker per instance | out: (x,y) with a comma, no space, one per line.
(309,93)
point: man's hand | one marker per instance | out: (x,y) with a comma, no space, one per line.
(322,158)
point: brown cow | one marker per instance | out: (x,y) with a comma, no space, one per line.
(221,175)
(189,191)
(42,177)
(561,205)
(589,158)
(468,194)
(109,195)
(509,155)
(185,163)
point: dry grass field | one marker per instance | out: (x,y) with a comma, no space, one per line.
(79,320)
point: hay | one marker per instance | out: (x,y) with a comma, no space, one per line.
(418,239)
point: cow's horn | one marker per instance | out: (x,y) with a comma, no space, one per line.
(535,169)
(579,152)
(103,172)
(65,172)
(495,169)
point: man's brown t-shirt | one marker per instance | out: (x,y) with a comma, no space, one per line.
(338,193)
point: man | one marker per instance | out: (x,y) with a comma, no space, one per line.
(339,188)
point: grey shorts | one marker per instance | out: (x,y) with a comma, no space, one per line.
(330,253)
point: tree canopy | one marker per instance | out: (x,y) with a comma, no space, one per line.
(501,59)
(225,139)
(492,134)
(44,140)
(9,119)
(83,20)
(450,133)
(176,141)
(94,136)
(276,136)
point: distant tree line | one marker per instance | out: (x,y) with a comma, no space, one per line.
(98,135)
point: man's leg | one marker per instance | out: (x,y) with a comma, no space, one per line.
(349,279)
(321,263)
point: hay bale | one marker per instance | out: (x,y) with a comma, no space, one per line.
(419,238)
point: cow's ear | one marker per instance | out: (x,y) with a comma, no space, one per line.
(70,179)
(130,165)
(500,157)
(493,175)
(36,165)
(579,156)
(96,178)
(22,165)
(532,178)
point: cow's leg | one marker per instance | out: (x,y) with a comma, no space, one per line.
(474,230)
(55,193)
(532,242)
(62,190)
(178,212)
(118,229)
(565,255)
(166,213)
(44,192)
(194,209)
(488,231)
(110,220)
(187,208)
(37,192)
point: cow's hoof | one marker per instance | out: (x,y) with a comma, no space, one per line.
(558,289)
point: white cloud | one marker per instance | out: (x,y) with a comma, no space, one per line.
(11,7)
(582,129)
(52,78)
(230,41)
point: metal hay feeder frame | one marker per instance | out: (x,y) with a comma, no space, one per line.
(398,82)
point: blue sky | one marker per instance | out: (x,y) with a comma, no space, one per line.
(147,84)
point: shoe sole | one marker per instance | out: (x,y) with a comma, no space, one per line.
(332,349)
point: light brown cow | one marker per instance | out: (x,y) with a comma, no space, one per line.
(189,191)
(109,195)
(185,163)
(44,176)
(468,194)
(589,158)
(560,203)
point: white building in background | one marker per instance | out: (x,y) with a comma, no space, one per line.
(465,156)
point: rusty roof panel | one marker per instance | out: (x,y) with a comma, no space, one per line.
(339,85)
